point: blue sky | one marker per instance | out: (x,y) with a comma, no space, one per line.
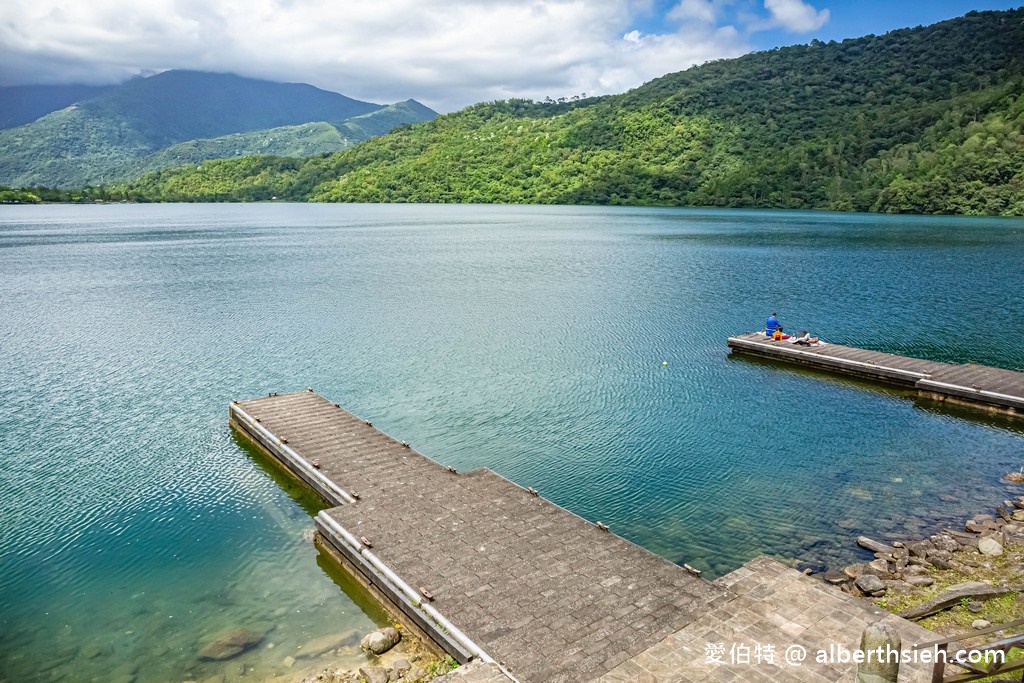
(846,18)
(850,19)
(444,53)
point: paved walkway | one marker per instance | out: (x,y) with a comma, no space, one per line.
(772,609)
(547,595)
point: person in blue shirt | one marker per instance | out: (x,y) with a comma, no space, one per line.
(772,325)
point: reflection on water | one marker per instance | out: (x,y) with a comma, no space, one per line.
(525,339)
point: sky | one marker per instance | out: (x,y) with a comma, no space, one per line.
(445,53)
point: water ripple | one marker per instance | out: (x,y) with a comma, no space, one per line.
(530,340)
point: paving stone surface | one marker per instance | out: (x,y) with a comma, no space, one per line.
(550,595)
(773,608)
(474,672)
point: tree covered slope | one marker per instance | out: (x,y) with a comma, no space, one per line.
(182,117)
(21,104)
(929,119)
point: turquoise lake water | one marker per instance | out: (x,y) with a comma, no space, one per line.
(529,340)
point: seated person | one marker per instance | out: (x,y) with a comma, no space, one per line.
(772,325)
(805,339)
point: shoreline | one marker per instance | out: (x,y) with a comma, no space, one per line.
(952,582)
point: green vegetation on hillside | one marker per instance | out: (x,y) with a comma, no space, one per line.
(924,120)
(183,118)
(21,104)
(9,196)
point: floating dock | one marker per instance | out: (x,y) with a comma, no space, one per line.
(973,385)
(494,573)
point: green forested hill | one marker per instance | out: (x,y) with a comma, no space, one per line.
(929,119)
(309,139)
(184,117)
(21,104)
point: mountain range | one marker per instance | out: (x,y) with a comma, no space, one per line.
(88,136)
(919,120)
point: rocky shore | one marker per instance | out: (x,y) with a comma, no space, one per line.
(951,582)
(389,657)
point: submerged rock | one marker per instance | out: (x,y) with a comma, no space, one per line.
(381,640)
(324,644)
(874,546)
(228,644)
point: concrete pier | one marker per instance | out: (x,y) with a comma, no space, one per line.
(978,386)
(495,574)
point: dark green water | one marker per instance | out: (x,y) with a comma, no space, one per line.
(525,339)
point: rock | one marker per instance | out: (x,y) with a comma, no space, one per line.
(870,585)
(1019,503)
(874,546)
(417,673)
(969,542)
(381,640)
(835,577)
(945,542)
(941,559)
(324,644)
(980,523)
(915,570)
(92,650)
(979,624)
(956,595)
(125,673)
(288,661)
(975,606)
(880,568)
(920,581)
(856,570)
(998,536)
(401,665)
(228,644)
(921,548)
(990,546)
(374,674)
(1014,534)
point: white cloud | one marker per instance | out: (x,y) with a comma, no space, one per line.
(445,53)
(699,10)
(795,15)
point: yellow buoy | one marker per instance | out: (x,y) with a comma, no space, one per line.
(664,362)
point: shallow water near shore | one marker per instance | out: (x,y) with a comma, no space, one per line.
(529,340)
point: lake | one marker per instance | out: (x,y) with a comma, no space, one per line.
(530,340)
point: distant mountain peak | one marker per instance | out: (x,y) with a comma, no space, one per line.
(105,133)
